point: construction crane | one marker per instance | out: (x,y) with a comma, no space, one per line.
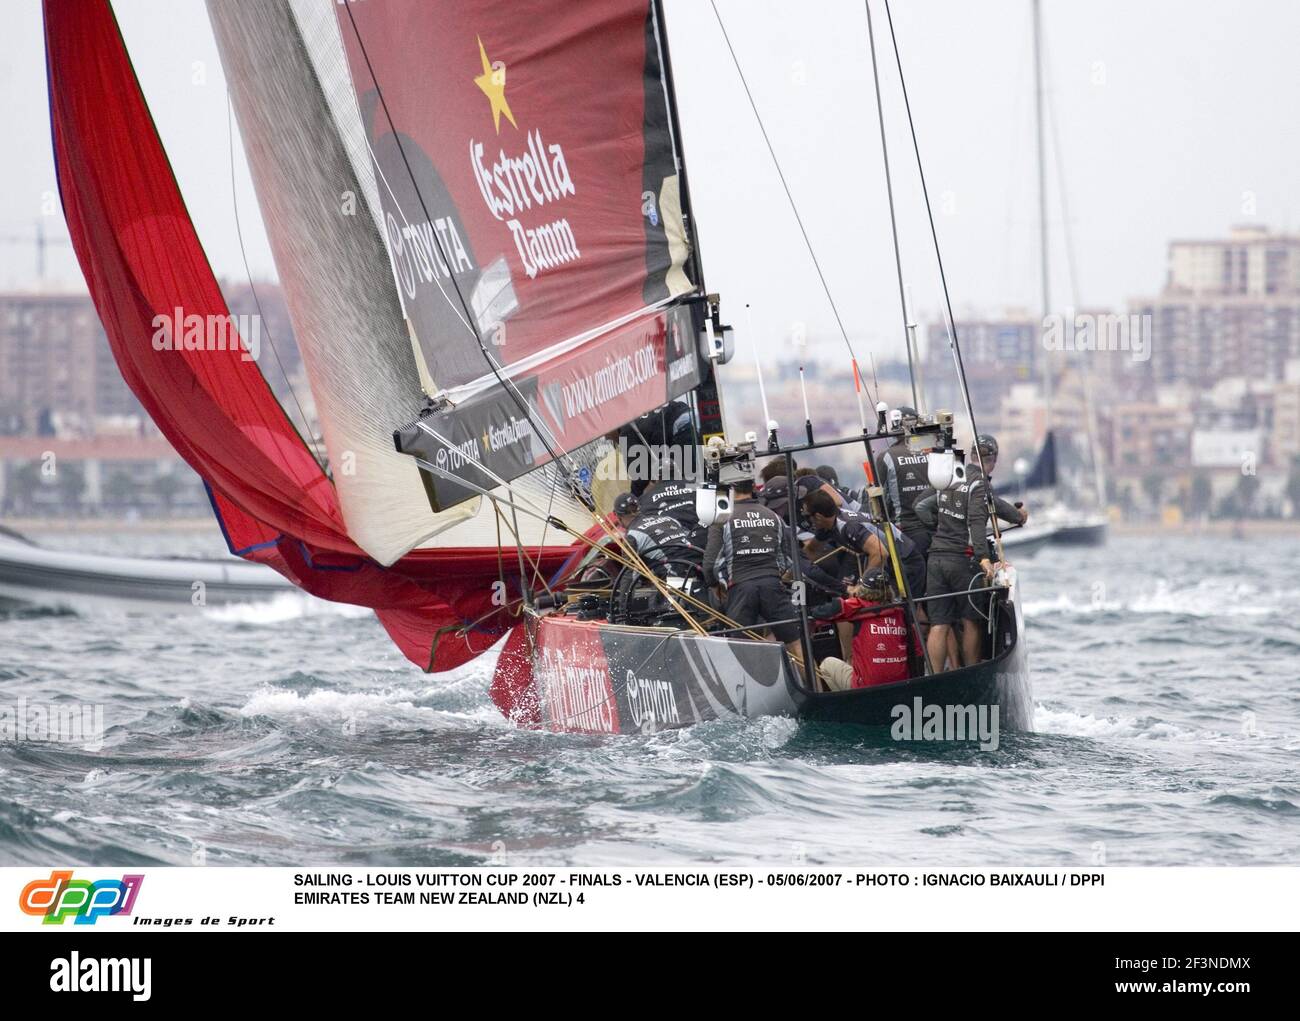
(40,241)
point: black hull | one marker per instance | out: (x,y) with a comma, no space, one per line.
(1002,682)
(594,677)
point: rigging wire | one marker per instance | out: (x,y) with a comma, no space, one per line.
(784,184)
(893,219)
(943,280)
(239,234)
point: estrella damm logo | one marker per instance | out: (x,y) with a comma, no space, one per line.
(84,900)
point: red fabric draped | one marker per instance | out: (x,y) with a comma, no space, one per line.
(141,258)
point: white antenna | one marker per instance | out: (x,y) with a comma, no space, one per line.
(910,314)
(758,365)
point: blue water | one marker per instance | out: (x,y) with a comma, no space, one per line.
(1166,677)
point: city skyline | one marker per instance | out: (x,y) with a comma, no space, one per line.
(1135,178)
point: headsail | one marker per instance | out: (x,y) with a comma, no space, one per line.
(142,259)
(530,190)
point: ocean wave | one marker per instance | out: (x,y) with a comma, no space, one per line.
(395,708)
(1067,723)
(284,606)
(1207,598)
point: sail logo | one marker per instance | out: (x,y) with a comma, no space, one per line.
(618,376)
(61,897)
(422,250)
(497,438)
(514,184)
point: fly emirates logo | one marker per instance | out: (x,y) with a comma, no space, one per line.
(515,184)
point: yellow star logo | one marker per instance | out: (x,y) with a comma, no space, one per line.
(493,83)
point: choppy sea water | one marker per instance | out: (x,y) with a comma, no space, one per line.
(1166,676)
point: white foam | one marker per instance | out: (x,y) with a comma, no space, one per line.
(283,607)
(1072,724)
(1207,598)
(391,708)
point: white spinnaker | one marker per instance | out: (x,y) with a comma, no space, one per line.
(318,197)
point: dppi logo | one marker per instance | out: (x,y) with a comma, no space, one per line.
(61,896)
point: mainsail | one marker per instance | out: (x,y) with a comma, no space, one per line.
(532,206)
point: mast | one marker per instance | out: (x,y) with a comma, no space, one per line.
(1040,142)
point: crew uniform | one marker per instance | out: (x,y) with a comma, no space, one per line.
(959,517)
(851,531)
(905,476)
(748,554)
(676,499)
(650,534)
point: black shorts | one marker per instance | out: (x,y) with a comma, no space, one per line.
(762,601)
(920,537)
(915,575)
(950,575)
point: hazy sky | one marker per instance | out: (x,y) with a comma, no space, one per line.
(1175,117)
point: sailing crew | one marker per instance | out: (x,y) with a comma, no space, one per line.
(659,432)
(776,486)
(748,554)
(831,477)
(675,498)
(878,652)
(859,534)
(649,533)
(959,556)
(904,474)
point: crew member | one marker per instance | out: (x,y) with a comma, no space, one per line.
(776,486)
(856,532)
(879,650)
(748,554)
(959,556)
(904,475)
(831,477)
(650,534)
(675,498)
(658,432)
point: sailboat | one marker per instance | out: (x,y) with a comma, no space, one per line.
(481,220)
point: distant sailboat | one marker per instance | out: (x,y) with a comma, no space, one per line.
(1077,511)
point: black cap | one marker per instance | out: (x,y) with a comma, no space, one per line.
(806,484)
(906,412)
(874,578)
(828,474)
(987,444)
(626,503)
